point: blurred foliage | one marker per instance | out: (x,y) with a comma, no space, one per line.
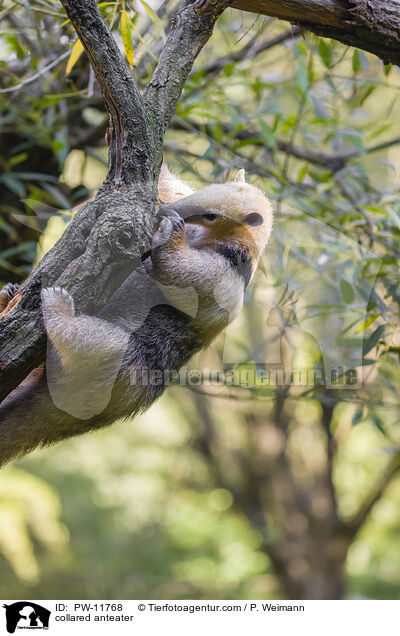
(221,492)
(29,512)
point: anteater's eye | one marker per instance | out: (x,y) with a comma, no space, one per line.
(210,217)
(254,219)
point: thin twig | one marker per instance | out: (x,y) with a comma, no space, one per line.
(333,162)
(34,77)
(250,50)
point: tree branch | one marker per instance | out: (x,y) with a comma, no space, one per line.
(321,12)
(331,161)
(354,524)
(250,50)
(372,26)
(191,27)
(35,76)
(105,240)
(131,135)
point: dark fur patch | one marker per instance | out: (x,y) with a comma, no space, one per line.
(239,259)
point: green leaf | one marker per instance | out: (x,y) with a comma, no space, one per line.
(319,108)
(372,341)
(377,422)
(367,323)
(368,92)
(35,176)
(302,173)
(387,68)
(357,417)
(217,133)
(228,68)
(266,133)
(13,184)
(155,19)
(356,64)
(302,78)
(325,52)
(347,291)
(14,161)
(380,130)
(104,5)
(15,45)
(385,161)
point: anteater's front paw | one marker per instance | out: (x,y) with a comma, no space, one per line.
(11,290)
(57,301)
(172,228)
(7,293)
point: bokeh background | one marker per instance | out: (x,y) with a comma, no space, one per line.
(220,491)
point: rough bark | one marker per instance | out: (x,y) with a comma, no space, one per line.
(131,139)
(104,242)
(162,93)
(97,251)
(372,25)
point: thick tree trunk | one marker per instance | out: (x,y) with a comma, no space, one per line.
(311,581)
(98,251)
(104,242)
(311,564)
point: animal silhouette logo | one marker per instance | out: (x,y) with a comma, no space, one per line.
(26,615)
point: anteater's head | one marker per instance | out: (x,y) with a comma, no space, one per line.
(233,214)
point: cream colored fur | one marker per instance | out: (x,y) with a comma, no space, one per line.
(171,187)
(234,199)
(85,353)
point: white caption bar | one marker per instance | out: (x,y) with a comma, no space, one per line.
(197,618)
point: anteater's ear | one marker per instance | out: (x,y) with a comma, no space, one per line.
(239,177)
(170,187)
